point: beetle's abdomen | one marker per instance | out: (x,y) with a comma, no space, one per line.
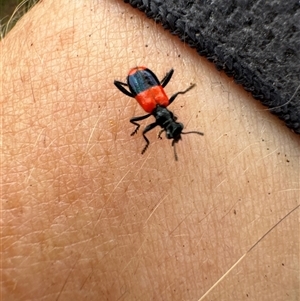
(146,89)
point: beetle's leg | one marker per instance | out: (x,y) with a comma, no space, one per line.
(120,86)
(167,78)
(159,134)
(147,129)
(172,98)
(134,121)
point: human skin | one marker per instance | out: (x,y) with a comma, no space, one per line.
(85,216)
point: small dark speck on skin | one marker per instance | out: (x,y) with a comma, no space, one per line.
(282,264)
(234,211)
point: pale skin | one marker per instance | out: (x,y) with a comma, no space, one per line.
(85,216)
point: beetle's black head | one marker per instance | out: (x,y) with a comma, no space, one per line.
(174,130)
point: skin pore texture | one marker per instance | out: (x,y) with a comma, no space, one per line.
(85,216)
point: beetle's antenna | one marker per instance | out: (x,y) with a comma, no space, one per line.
(176,140)
(175,153)
(193,132)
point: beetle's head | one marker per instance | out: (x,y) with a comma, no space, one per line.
(174,130)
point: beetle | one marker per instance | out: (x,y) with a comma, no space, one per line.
(149,92)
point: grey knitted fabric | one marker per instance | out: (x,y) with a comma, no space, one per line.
(255,41)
